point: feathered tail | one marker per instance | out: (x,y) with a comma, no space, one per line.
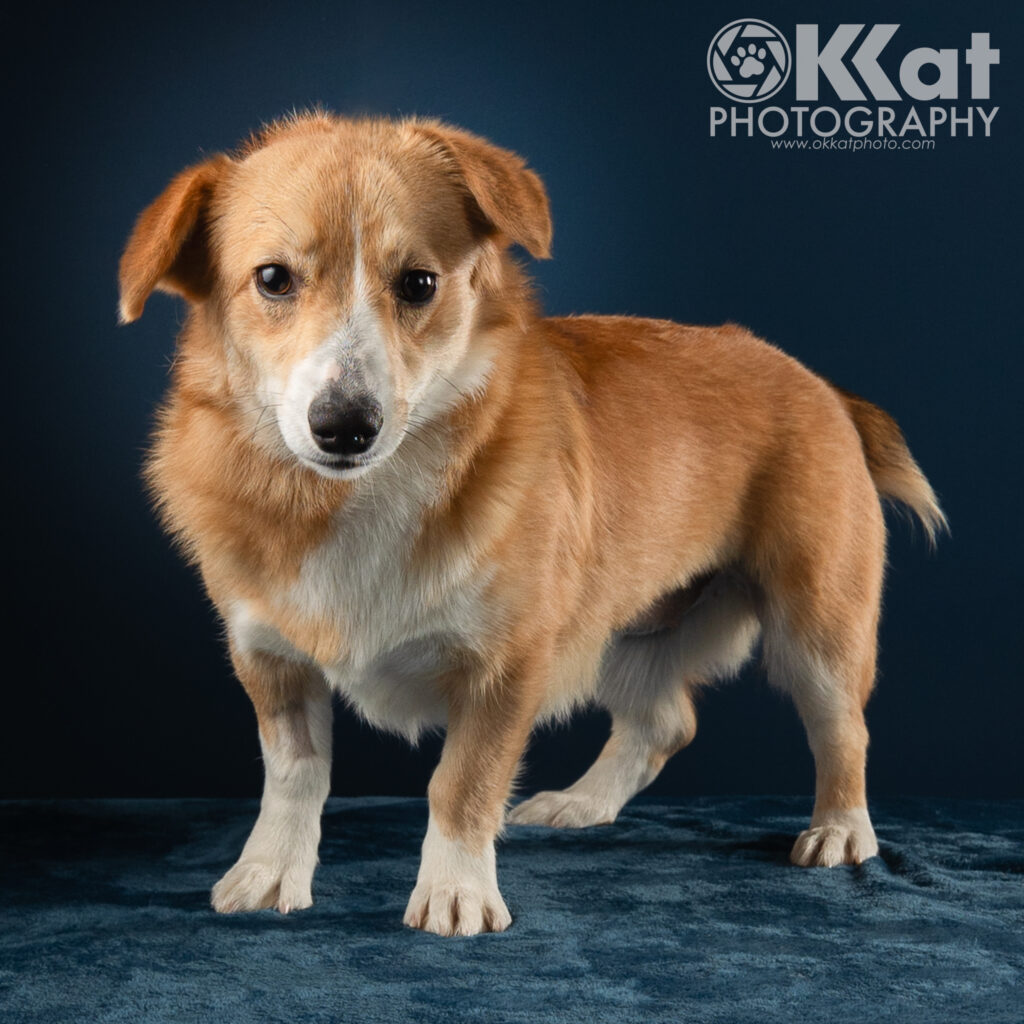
(897,476)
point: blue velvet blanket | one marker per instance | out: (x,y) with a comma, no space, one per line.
(681,911)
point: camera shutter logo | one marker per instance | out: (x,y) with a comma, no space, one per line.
(749,60)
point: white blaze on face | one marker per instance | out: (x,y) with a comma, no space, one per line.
(354,360)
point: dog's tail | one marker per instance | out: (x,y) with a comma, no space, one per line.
(897,476)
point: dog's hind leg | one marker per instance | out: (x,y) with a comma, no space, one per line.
(293,707)
(647,684)
(820,626)
(635,753)
(830,696)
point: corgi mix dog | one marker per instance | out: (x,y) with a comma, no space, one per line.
(402,484)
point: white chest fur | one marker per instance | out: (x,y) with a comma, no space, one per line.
(400,609)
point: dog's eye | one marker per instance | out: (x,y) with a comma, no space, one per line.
(417,286)
(273,280)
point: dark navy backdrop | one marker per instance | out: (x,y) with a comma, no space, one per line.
(893,273)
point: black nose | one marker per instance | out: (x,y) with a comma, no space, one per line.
(342,426)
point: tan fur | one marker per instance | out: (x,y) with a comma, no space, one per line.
(274,685)
(589,486)
(897,476)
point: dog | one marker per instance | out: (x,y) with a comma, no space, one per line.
(400,483)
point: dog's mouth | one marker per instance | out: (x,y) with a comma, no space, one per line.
(340,467)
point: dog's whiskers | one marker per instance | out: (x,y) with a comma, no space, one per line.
(259,420)
(454,387)
(263,206)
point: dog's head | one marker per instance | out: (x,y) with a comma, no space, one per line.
(345,270)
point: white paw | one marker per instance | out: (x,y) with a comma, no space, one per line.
(840,837)
(256,885)
(457,888)
(457,909)
(563,809)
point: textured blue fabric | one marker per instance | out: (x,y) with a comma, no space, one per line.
(683,911)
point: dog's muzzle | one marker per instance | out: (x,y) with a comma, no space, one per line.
(343,424)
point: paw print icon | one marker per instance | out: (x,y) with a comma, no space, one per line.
(749,60)
(748,64)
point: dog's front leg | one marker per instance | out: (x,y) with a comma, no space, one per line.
(456,891)
(293,709)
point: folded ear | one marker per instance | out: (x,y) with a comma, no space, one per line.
(508,197)
(169,248)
